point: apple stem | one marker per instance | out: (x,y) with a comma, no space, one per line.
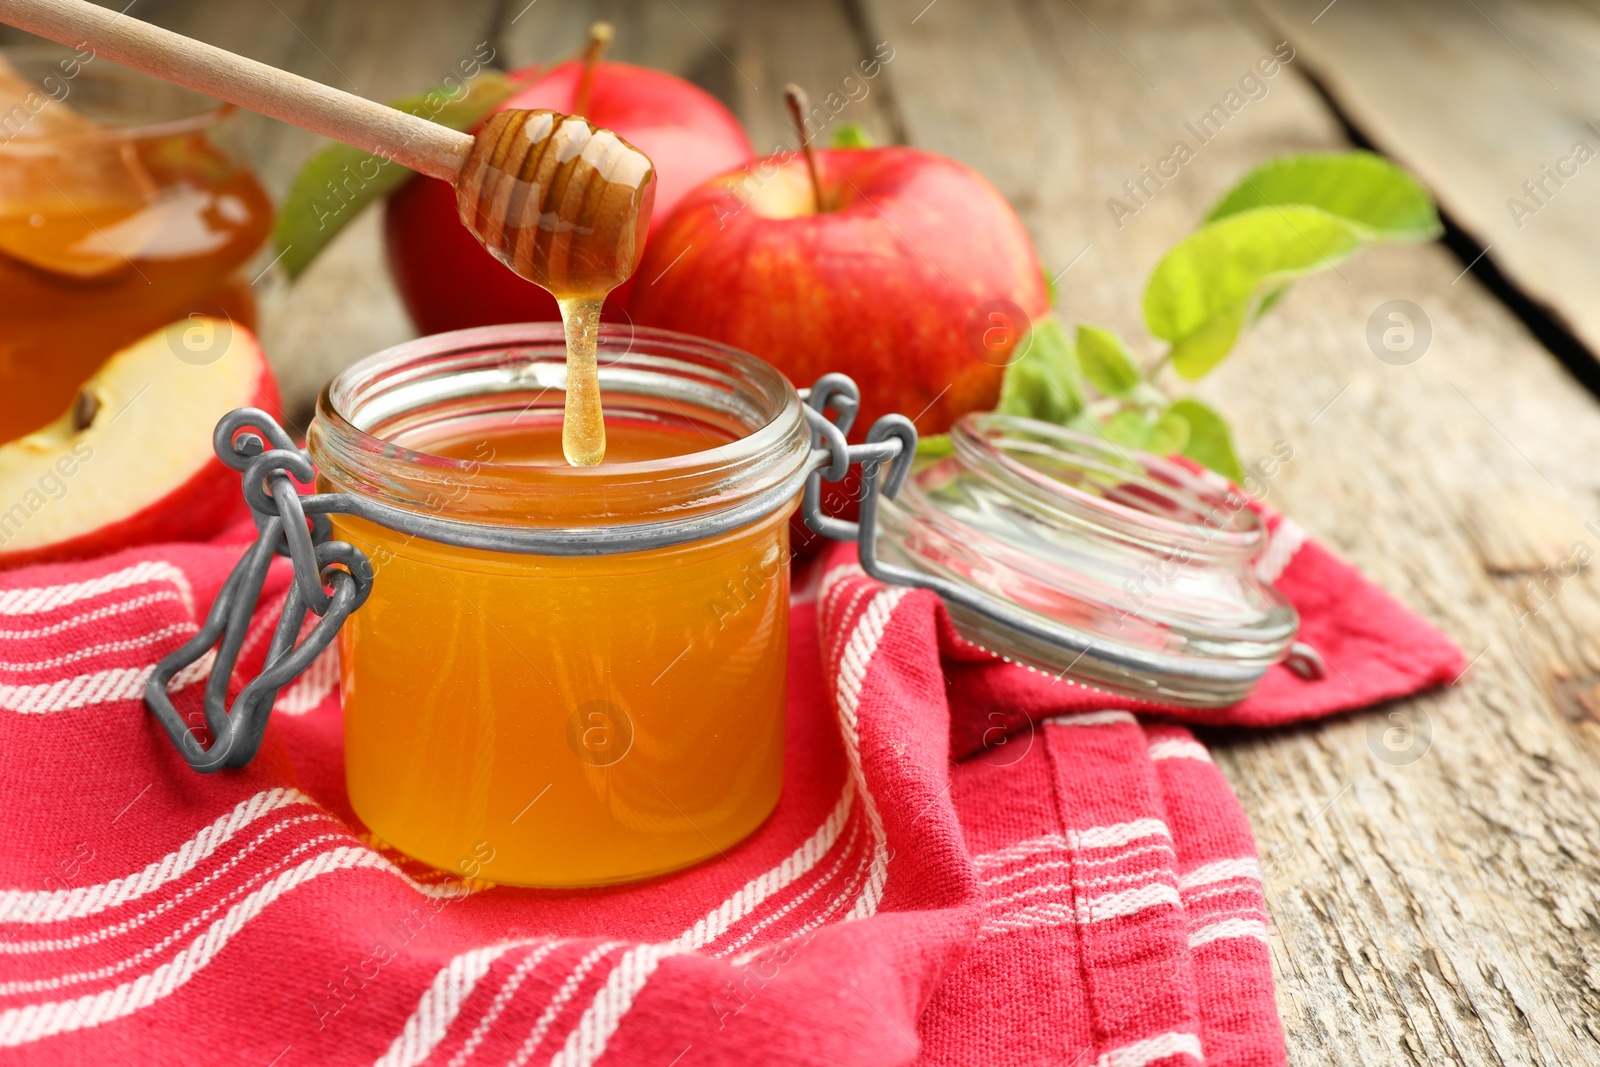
(600,35)
(795,97)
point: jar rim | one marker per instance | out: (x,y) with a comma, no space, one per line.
(769,448)
(1204,515)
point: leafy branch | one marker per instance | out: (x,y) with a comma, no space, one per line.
(1288,218)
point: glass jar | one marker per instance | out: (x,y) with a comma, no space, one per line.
(594,717)
(1112,567)
(119,213)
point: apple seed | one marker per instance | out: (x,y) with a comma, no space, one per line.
(84,409)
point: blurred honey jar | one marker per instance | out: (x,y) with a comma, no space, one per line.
(119,212)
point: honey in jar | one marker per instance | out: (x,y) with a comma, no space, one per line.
(598,712)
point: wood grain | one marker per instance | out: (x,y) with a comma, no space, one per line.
(1479,100)
(687,37)
(1438,910)
(742,54)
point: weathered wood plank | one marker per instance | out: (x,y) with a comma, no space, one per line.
(1438,909)
(817,47)
(682,37)
(1493,104)
(742,54)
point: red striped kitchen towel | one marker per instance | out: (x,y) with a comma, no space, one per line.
(1086,892)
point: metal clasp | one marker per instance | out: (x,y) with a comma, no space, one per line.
(892,440)
(331,580)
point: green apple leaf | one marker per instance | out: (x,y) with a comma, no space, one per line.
(1203,291)
(339,182)
(1105,362)
(1148,396)
(1161,434)
(1210,442)
(934,446)
(1045,382)
(1359,187)
(1128,428)
(1168,434)
(1270,301)
(1195,355)
(851,135)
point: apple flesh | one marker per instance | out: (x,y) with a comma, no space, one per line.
(131,462)
(444,275)
(917,279)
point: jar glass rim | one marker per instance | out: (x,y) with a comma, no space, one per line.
(760,415)
(1201,514)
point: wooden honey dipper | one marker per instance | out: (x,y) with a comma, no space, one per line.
(559,201)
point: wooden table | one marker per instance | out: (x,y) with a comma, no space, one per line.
(1442,908)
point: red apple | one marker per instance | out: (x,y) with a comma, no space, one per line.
(917,278)
(131,462)
(446,278)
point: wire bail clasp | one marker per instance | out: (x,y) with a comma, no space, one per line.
(892,440)
(331,580)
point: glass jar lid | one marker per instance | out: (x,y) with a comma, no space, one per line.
(1099,564)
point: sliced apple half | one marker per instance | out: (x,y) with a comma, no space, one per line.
(131,462)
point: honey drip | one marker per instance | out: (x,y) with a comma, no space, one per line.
(566,205)
(583,430)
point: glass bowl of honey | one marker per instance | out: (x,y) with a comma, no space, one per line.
(120,211)
(612,706)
